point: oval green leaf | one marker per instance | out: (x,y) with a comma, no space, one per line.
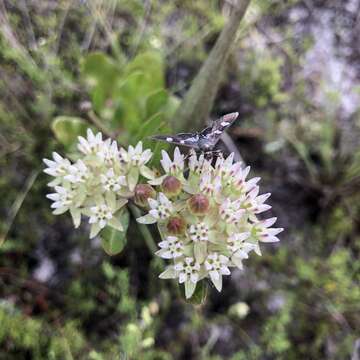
(68,128)
(113,241)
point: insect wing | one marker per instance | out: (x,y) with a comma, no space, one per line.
(212,133)
(184,139)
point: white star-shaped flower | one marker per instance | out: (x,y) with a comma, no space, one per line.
(171,248)
(160,209)
(112,182)
(188,270)
(92,144)
(135,155)
(62,199)
(265,233)
(78,173)
(231,211)
(172,167)
(58,167)
(100,214)
(216,265)
(109,152)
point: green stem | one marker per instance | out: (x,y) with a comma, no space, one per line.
(145,232)
(196,106)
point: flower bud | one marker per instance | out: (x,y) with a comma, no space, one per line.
(176,225)
(142,193)
(198,204)
(171,186)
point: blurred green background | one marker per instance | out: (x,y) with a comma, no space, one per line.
(293,75)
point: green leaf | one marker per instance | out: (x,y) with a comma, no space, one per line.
(113,241)
(200,251)
(169,273)
(152,65)
(199,295)
(171,106)
(101,73)
(150,126)
(156,101)
(67,129)
(133,177)
(130,96)
(189,289)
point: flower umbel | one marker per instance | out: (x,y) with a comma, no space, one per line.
(218,206)
(207,215)
(96,185)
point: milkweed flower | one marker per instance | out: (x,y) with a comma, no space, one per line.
(209,216)
(135,160)
(218,208)
(99,183)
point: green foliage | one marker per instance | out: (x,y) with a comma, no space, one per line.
(129,101)
(275,331)
(91,306)
(261,78)
(67,129)
(113,241)
(37,337)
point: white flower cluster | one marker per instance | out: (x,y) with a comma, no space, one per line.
(208,219)
(207,214)
(99,183)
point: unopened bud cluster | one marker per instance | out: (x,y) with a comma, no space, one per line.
(208,219)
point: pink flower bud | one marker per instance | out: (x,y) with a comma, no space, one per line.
(142,193)
(176,225)
(171,186)
(198,204)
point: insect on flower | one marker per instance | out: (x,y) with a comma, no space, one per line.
(205,140)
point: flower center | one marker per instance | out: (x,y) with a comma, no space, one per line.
(164,211)
(199,232)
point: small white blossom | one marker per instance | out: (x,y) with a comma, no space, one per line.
(135,155)
(237,245)
(216,265)
(172,167)
(62,199)
(240,175)
(223,167)
(161,208)
(109,152)
(100,214)
(231,211)
(92,144)
(78,173)
(57,168)
(255,203)
(264,231)
(188,270)
(209,185)
(112,182)
(199,232)
(198,164)
(240,248)
(171,248)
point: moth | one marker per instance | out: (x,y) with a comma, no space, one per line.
(202,141)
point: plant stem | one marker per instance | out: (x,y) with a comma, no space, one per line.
(196,106)
(145,232)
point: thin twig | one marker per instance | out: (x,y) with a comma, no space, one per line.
(97,122)
(18,203)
